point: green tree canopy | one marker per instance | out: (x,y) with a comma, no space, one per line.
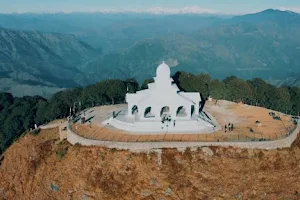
(6,99)
(145,84)
(238,90)
(217,89)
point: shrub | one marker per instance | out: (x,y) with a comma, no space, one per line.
(61,153)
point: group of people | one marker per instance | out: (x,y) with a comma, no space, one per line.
(164,119)
(229,127)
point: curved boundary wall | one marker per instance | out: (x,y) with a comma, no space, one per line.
(73,138)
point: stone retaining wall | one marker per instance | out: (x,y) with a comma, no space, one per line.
(65,123)
(73,138)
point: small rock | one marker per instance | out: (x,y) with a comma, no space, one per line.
(178,160)
(54,187)
(84,197)
(168,191)
(207,151)
(128,157)
(239,196)
(148,155)
(146,193)
(251,153)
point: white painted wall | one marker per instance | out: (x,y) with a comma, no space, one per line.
(163,93)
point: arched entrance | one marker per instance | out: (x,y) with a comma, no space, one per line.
(181,112)
(164,110)
(134,109)
(148,113)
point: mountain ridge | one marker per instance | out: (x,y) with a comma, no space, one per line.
(46,59)
(129,46)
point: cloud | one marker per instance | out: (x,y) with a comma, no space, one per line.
(161,10)
(153,10)
(184,10)
(294,9)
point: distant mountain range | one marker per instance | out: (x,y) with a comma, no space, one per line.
(109,31)
(89,47)
(292,80)
(243,46)
(47,60)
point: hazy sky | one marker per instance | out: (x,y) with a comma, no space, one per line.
(211,6)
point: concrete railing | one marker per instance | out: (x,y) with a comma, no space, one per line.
(73,138)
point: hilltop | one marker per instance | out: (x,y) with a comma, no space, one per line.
(41,167)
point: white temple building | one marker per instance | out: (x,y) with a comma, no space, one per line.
(162,98)
(163,108)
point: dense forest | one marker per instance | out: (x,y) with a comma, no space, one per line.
(18,115)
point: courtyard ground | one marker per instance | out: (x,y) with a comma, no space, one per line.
(242,116)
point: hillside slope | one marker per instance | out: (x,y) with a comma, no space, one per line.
(40,167)
(41,59)
(291,81)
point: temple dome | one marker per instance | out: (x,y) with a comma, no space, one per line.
(163,71)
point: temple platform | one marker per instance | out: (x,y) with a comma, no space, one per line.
(244,117)
(197,124)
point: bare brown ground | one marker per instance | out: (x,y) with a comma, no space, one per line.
(242,116)
(33,163)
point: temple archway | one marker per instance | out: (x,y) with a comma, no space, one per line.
(165,110)
(192,110)
(181,111)
(148,113)
(134,109)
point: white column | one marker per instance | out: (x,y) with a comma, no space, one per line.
(189,110)
(196,110)
(129,110)
(156,112)
(141,112)
(173,112)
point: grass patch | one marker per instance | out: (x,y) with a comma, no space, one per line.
(61,153)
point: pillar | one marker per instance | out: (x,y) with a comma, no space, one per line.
(129,110)
(142,112)
(156,112)
(173,112)
(196,110)
(189,111)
